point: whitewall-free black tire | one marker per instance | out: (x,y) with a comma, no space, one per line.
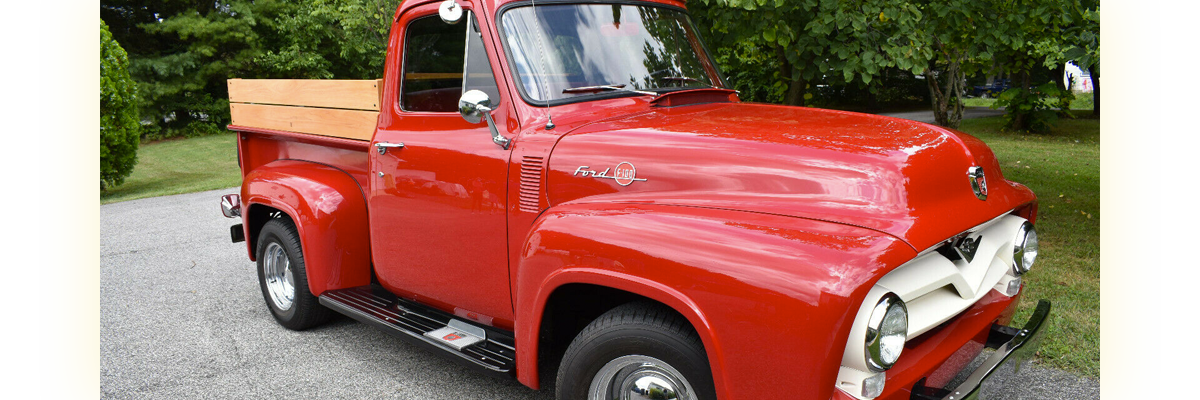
(283,278)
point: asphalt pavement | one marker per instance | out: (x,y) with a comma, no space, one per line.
(926,116)
(181,316)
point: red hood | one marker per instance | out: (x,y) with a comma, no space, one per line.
(901,177)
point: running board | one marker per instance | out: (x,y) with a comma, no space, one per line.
(489,350)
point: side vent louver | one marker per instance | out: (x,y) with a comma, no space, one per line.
(531,183)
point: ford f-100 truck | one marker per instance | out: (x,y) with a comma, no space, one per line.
(571,187)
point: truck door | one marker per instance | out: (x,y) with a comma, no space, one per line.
(437,204)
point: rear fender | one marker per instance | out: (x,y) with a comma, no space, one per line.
(767,294)
(330,213)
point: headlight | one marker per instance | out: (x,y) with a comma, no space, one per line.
(887,330)
(1025,248)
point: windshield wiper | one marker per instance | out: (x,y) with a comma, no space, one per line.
(605,88)
(679,78)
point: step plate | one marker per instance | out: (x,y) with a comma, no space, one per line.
(454,337)
(412,321)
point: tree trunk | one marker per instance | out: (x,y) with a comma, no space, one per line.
(946,94)
(794,78)
(1021,119)
(795,94)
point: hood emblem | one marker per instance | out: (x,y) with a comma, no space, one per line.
(624,173)
(978,182)
(967,246)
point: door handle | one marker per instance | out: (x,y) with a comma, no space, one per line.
(384,146)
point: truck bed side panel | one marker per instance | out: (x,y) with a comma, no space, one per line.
(257,148)
(319,182)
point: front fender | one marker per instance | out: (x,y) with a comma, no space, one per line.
(329,211)
(769,295)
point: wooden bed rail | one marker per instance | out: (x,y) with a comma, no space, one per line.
(346,109)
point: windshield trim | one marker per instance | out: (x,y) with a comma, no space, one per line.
(515,79)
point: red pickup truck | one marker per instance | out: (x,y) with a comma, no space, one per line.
(571,187)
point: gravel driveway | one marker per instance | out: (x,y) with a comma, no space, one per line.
(181,316)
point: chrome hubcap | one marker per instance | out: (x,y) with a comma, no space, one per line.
(638,377)
(277,271)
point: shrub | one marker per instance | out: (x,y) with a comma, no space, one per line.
(1034,110)
(119,121)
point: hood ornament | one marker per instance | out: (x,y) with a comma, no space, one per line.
(978,182)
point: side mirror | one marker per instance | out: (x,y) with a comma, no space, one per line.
(450,12)
(475,105)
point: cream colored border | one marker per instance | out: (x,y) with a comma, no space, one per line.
(1131,200)
(51,199)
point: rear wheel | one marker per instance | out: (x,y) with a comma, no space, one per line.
(636,351)
(283,278)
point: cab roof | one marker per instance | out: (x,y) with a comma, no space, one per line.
(495,4)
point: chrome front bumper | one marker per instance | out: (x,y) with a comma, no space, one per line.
(1012,348)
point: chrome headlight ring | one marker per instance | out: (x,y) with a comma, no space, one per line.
(1025,248)
(887,331)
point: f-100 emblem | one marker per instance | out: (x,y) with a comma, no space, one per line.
(624,173)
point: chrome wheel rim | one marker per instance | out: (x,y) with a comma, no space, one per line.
(638,377)
(277,274)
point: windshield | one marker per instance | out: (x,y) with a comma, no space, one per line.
(576,50)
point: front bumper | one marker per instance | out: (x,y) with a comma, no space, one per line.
(1012,348)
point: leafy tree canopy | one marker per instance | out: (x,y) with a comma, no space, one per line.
(182,52)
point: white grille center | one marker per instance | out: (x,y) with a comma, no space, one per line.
(935,289)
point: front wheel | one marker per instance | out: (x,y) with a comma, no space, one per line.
(283,278)
(636,351)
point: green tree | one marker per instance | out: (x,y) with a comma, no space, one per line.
(847,43)
(344,39)
(1030,32)
(183,51)
(816,40)
(962,35)
(1081,45)
(118,113)
(191,49)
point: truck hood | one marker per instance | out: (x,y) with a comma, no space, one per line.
(900,177)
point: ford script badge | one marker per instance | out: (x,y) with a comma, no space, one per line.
(624,173)
(978,182)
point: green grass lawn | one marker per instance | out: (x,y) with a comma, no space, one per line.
(180,166)
(1062,167)
(1083,101)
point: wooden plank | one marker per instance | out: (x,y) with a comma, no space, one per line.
(348,124)
(329,93)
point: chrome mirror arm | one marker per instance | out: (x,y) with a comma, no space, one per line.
(496,137)
(475,104)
